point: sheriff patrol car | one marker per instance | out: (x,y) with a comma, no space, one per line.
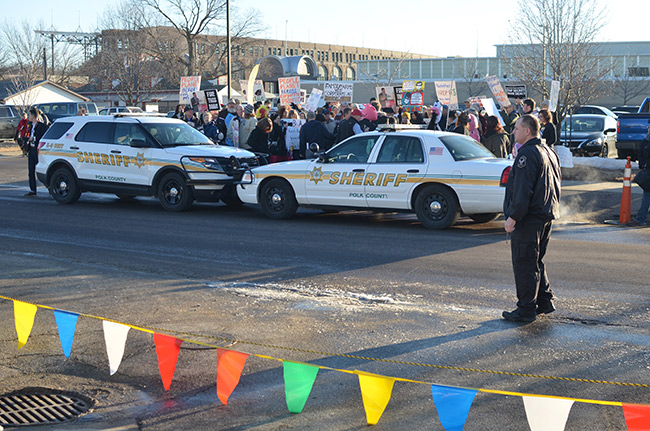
(138,155)
(438,175)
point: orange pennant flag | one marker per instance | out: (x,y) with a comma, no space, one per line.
(167,350)
(230,365)
(24,315)
(375,391)
(637,417)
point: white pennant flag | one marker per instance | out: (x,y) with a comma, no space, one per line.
(547,414)
(115,337)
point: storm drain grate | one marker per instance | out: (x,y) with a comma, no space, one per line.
(36,408)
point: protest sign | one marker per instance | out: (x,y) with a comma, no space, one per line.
(303,96)
(292,133)
(497,90)
(491,109)
(386,99)
(314,99)
(258,91)
(555,96)
(338,92)
(189,85)
(212,100)
(289,90)
(412,95)
(447,94)
(398,95)
(222,80)
(518,91)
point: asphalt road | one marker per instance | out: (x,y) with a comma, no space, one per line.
(361,284)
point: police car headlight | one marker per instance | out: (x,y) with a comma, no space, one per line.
(208,162)
(248,177)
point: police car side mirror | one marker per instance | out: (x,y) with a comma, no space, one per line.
(314,148)
(138,143)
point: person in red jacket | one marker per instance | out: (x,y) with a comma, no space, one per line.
(22,134)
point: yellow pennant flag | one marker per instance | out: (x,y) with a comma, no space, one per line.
(376,392)
(24,314)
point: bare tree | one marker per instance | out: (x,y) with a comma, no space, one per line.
(631,84)
(190,18)
(554,40)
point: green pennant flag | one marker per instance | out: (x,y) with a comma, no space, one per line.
(298,381)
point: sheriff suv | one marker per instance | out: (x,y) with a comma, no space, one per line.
(138,155)
(437,175)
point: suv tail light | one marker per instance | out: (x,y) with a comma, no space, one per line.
(504,176)
(618,127)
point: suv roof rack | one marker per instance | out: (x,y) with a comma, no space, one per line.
(137,114)
(396,127)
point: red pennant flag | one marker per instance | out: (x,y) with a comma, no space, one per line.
(229,367)
(637,417)
(167,350)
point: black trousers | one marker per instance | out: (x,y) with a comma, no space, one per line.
(528,243)
(32,161)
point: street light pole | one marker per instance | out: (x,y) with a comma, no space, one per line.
(228,45)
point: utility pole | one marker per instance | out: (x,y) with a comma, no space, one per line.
(228,45)
(44,65)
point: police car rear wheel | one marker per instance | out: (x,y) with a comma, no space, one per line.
(484,217)
(174,194)
(436,207)
(278,200)
(63,186)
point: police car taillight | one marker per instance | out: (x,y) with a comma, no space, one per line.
(504,176)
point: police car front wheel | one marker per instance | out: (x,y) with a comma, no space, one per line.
(63,186)
(173,192)
(278,200)
(437,207)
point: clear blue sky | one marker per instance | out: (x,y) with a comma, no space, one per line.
(436,28)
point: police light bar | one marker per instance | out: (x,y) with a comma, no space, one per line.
(396,127)
(137,114)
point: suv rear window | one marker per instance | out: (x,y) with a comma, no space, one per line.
(97,132)
(57,130)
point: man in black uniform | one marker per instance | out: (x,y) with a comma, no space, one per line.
(531,204)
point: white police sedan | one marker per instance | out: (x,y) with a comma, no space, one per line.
(438,175)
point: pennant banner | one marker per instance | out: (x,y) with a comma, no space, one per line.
(453,405)
(298,381)
(66,322)
(24,315)
(375,392)
(167,350)
(115,338)
(637,417)
(547,414)
(230,365)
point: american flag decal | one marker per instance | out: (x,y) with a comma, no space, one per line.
(435,151)
(68,136)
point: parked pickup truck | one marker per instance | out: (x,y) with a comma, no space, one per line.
(632,129)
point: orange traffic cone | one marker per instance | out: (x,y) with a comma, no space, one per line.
(626,199)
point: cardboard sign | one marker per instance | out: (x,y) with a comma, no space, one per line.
(338,92)
(447,94)
(189,85)
(289,90)
(497,90)
(314,99)
(412,95)
(212,100)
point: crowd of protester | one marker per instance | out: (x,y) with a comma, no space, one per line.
(263,129)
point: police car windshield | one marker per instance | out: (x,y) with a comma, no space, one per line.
(463,147)
(176,134)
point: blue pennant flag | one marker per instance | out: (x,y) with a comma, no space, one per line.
(66,322)
(453,405)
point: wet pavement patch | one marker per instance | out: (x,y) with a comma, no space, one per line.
(40,406)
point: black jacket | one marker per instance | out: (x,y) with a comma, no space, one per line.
(314,131)
(258,140)
(549,133)
(533,188)
(37,134)
(345,129)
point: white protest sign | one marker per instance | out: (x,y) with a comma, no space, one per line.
(491,109)
(189,85)
(497,90)
(446,93)
(292,133)
(555,95)
(314,98)
(289,90)
(338,92)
